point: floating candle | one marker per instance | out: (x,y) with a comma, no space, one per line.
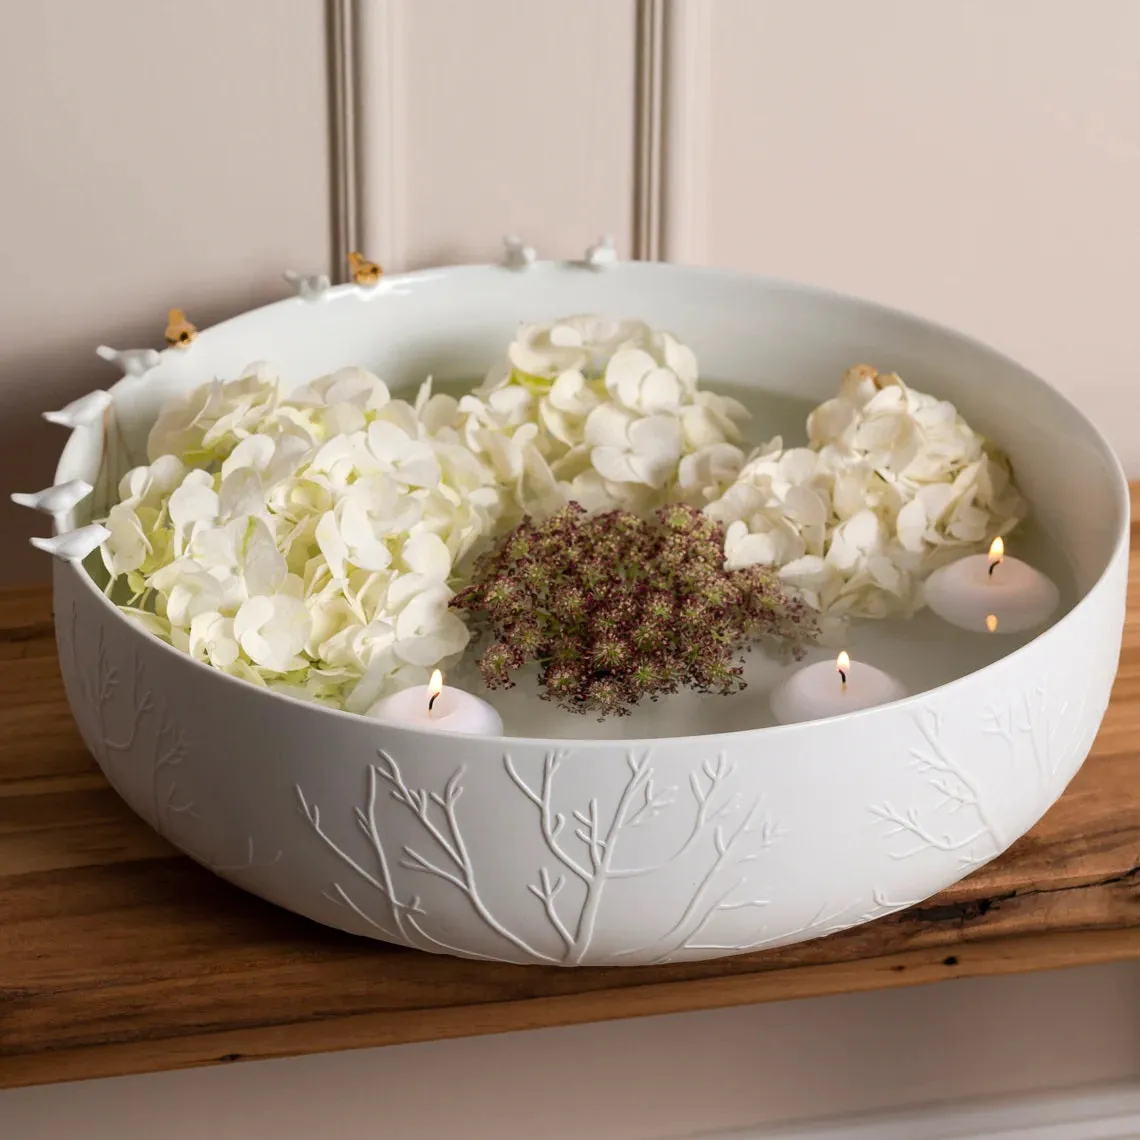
(992,593)
(441,707)
(826,689)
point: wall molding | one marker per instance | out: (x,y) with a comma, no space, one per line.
(1097,1112)
(649,132)
(340,25)
(380,138)
(368,104)
(687,116)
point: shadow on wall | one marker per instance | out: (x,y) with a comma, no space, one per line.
(60,370)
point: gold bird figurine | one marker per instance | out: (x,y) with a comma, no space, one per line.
(364,272)
(179,331)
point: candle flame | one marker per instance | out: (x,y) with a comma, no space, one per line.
(991,622)
(997,551)
(842,665)
(435,687)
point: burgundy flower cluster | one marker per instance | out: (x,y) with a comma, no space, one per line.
(616,608)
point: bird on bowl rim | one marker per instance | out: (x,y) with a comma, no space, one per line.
(179,331)
(364,272)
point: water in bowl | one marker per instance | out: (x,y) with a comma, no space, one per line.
(923,652)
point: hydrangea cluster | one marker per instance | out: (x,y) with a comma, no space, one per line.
(310,543)
(604,413)
(314,543)
(615,608)
(894,483)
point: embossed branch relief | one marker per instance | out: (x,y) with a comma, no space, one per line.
(1031,730)
(960,823)
(585,845)
(965,819)
(143,761)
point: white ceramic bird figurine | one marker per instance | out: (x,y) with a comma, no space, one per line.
(603,253)
(308,286)
(74,545)
(87,409)
(132,361)
(518,255)
(54,500)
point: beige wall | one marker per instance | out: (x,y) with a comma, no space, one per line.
(973,161)
(495,116)
(154,153)
(978,163)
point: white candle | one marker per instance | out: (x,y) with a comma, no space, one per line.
(992,593)
(831,689)
(441,707)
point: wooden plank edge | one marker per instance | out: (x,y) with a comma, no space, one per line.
(997,957)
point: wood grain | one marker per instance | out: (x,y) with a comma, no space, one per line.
(119,956)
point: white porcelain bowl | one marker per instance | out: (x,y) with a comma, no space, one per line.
(589,852)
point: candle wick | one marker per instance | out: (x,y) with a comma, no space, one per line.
(993,565)
(843,677)
(432,702)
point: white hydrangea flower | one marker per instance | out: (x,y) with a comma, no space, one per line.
(705,474)
(128,546)
(627,448)
(186,590)
(394,449)
(193,503)
(272,630)
(211,639)
(206,424)
(636,381)
(312,544)
(580,343)
(336,404)
(777,510)
(562,411)
(148,486)
(711,419)
(374,512)
(603,413)
(903,483)
(427,631)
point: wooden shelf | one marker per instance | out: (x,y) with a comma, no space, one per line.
(119,956)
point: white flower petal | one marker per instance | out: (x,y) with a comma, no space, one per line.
(427,554)
(566,336)
(241,493)
(681,360)
(657,436)
(661,391)
(212,639)
(128,546)
(608,426)
(254,451)
(331,544)
(624,374)
(272,631)
(615,464)
(263,566)
(910,526)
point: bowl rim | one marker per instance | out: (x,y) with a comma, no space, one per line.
(391,283)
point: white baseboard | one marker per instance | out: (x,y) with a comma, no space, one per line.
(1099,1112)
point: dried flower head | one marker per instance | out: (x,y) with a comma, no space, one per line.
(615,608)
